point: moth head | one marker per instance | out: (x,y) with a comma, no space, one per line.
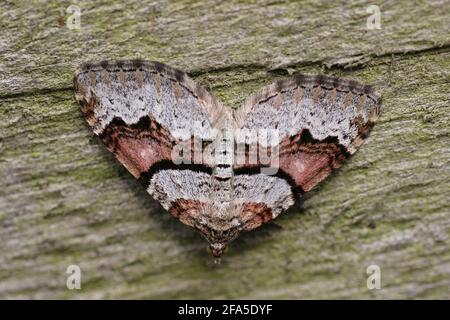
(217,248)
(219,238)
(219,229)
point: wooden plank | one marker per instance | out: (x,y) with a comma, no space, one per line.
(65,200)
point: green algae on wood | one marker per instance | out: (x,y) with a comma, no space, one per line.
(65,200)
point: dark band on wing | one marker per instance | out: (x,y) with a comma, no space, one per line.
(146,177)
(145,127)
(305,142)
(297,191)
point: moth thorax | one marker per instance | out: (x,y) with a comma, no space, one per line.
(222,182)
(224,148)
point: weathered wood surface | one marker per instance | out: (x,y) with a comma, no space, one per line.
(65,200)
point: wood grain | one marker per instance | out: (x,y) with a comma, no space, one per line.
(65,200)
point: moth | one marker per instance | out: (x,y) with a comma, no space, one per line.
(219,170)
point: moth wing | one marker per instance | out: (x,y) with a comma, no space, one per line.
(141,110)
(320,121)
